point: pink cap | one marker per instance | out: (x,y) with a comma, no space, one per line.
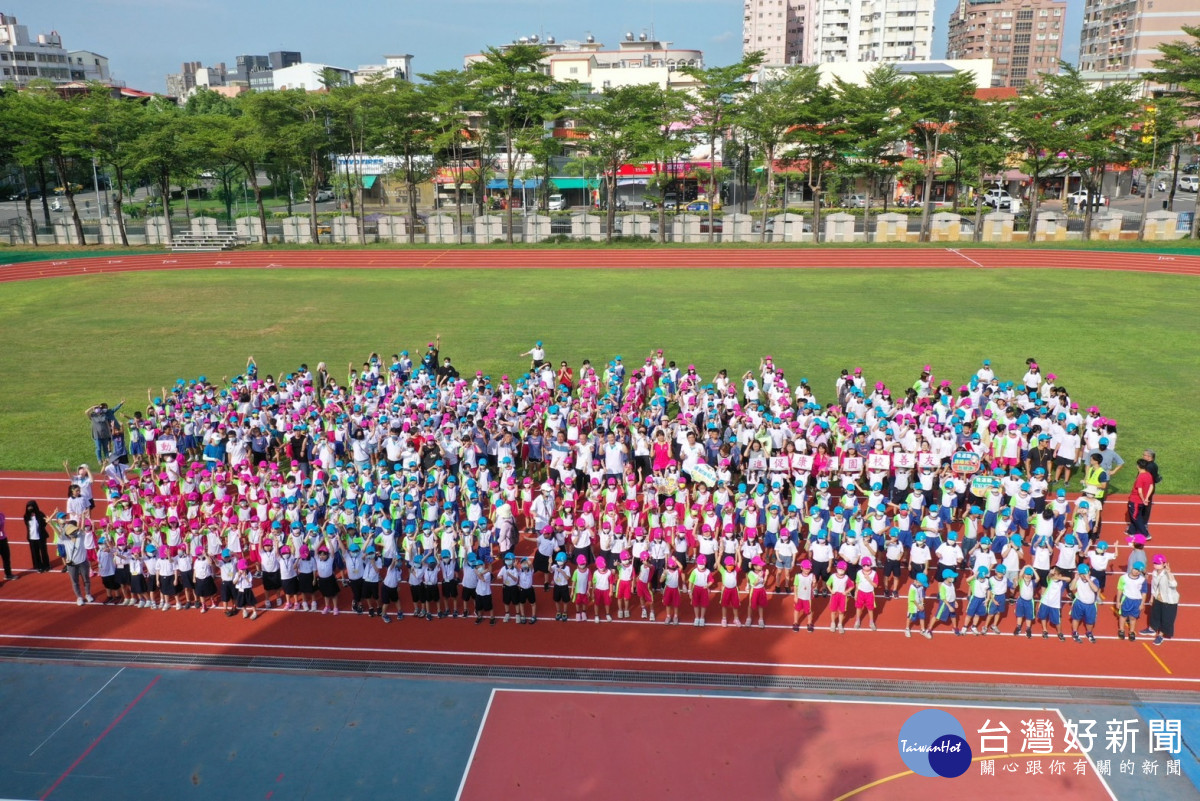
(242,564)
(806,565)
(581,560)
(601,563)
(757,561)
(644,555)
(1136,539)
(729,561)
(841,565)
(1160,559)
(866,561)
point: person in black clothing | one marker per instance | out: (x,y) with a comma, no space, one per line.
(38,534)
(1041,456)
(1152,469)
(447,372)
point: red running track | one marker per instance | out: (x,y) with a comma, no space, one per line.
(39,612)
(859,258)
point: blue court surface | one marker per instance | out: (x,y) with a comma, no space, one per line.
(97,732)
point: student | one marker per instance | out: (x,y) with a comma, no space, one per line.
(581,582)
(509,592)
(602,579)
(185,575)
(206,587)
(785,559)
(729,591)
(916,606)
(947,608)
(1024,609)
(371,565)
(431,597)
(470,580)
(528,602)
(802,594)
(645,576)
(839,587)
(560,578)
(228,572)
(1050,604)
(326,582)
(978,589)
(672,581)
(243,582)
(756,583)
(106,566)
(625,578)
(483,593)
(698,582)
(389,590)
(1083,608)
(1129,600)
(1099,557)
(271,581)
(449,586)
(864,592)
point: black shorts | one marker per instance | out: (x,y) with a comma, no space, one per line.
(370,590)
(186,580)
(137,584)
(245,598)
(206,587)
(430,591)
(892,567)
(291,586)
(1062,461)
(328,586)
(388,595)
(541,563)
(511,595)
(528,596)
(152,583)
(450,588)
(483,603)
(418,593)
(226,591)
(562,594)
(123,575)
(111,582)
(307,584)
(915,570)
(270,580)
(468,594)
(166,585)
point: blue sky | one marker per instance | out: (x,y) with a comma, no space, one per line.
(146,39)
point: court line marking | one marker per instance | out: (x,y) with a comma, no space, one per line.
(76,712)
(603,658)
(475,746)
(1088,756)
(102,735)
(1161,663)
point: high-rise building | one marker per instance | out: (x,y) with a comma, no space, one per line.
(89,66)
(1124,35)
(23,59)
(868,30)
(281,59)
(775,27)
(1022,37)
(248,64)
(194,75)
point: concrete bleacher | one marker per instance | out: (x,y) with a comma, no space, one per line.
(222,239)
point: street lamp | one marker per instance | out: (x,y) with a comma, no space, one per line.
(1153,126)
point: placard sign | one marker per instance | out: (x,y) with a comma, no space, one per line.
(780,464)
(878,461)
(926,460)
(852,464)
(757,464)
(981,484)
(965,463)
(804,463)
(704,474)
(163,446)
(905,461)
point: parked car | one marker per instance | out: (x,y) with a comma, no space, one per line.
(557,203)
(671,202)
(855,202)
(1189,183)
(1079,198)
(324,195)
(698,205)
(997,198)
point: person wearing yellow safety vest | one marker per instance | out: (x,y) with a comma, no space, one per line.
(1095,485)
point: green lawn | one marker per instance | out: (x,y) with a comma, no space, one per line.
(1125,342)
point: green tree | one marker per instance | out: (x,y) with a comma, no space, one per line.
(716,102)
(1035,136)
(874,116)
(770,113)
(401,124)
(1179,70)
(516,90)
(111,127)
(450,94)
(819,139)
(933,105)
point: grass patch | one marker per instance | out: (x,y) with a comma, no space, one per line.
(1126,343)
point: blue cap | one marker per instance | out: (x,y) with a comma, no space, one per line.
(923,579)
(225,554)
(981,572)
(1001,569)
(445,553)
(1084,570)
(1070,539)
(561,557)
(948,574)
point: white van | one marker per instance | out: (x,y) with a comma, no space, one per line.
(557,203)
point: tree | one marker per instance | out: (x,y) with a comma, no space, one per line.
(165,148)
(875,118)
(401,124)
(715,102)
(770,113)
(933,105)
(661,142)
(1179,70)
(214,117)
(300,124)
(819,138)
(516,90)
(1035,135)
(979,151)
(27,128)
(449,94)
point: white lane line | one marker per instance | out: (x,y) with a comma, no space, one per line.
(475,746)
(77,711)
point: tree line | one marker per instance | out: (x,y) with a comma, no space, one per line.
(470,125)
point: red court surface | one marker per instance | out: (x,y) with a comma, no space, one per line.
(68,264)
(562,744)
(38,611)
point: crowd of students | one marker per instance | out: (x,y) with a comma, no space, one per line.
(413,489)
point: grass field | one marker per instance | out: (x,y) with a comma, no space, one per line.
(1126,343)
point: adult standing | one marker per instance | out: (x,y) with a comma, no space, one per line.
(75,558)
(38,534)
(1139,500)
(5,556)
(101,418)
(1152,469)
(1164,600)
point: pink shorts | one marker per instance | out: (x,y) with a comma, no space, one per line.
(602,597)
(837,602)
(864,600)
(1011,461)
(700,596)
(691,539)
(758,598)
(643,591)
(729,598)
(671,597)
(803,607)
(580,598)
(624,590)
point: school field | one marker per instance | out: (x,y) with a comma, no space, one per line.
(1129,343)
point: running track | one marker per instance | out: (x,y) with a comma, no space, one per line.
(39,613)
(925,258)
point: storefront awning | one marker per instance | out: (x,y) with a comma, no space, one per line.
(519,183)
(568,182)
(369,181)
